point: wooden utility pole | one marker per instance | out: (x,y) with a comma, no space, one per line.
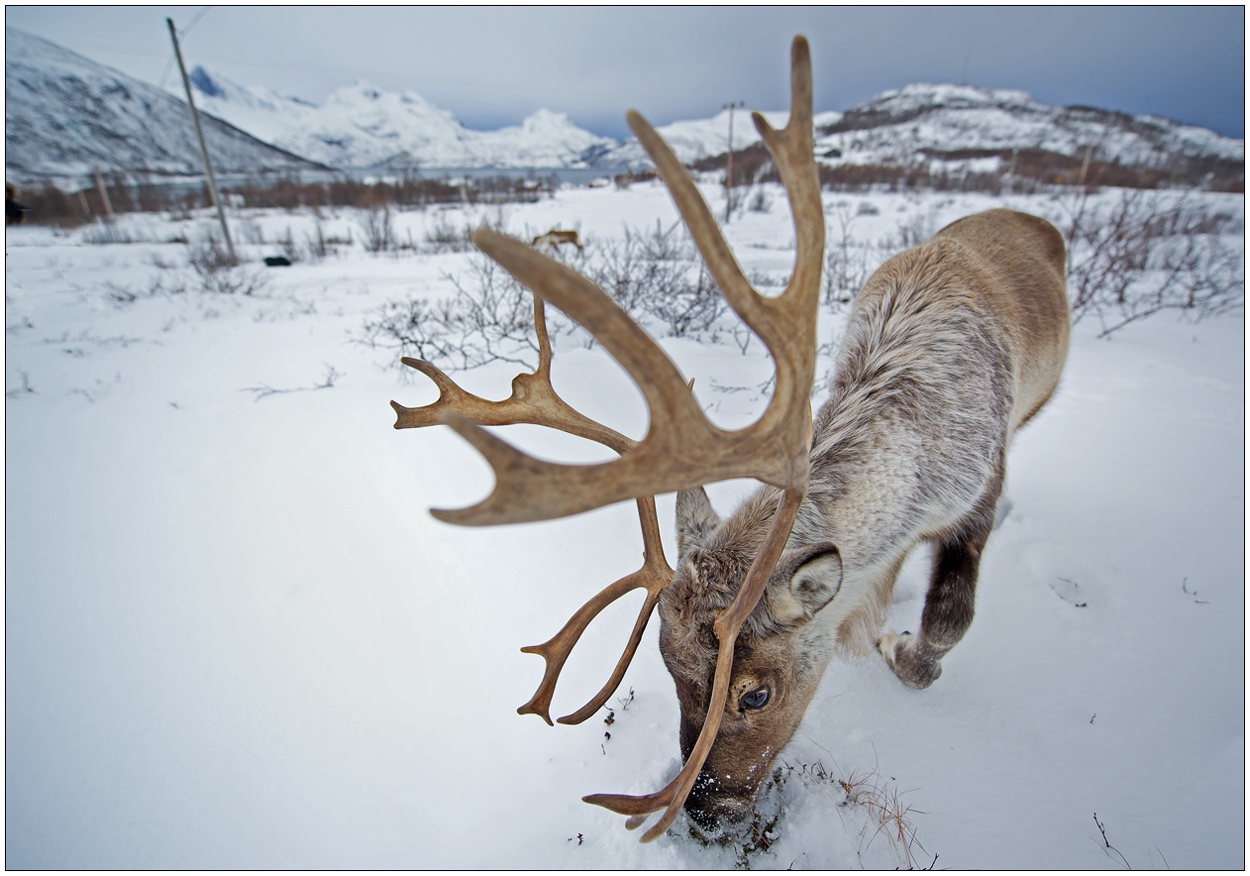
(729,167)
(199,136)
(104,195)
(1089,152)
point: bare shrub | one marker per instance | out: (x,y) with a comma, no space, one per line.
(106,232)
(208,256)
(1146,253)
(318,246)
(375,222)
(658,277)
(159,285)
(289,249)
(889,818)
(849,262)
(913,231)
(218,272)
(442,236)
(491,317)
(48,205)
(250,232)
(264,390)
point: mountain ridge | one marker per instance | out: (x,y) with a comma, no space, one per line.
(66,115)
(897,126)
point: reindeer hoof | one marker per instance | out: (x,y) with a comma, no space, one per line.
(913,668)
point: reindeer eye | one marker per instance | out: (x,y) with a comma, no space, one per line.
(756,699)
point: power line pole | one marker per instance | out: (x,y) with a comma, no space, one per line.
(729,166)
(199,136)
(1089,153)
(104,195)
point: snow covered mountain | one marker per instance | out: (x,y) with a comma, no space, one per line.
(65,114)
(898,125)
(694,139)
(363,126)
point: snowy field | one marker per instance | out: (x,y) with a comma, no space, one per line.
(235,638)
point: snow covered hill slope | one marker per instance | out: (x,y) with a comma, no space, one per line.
(896,126)
(65,114)
(235,637)
(363,126)
(360,126)
(694,139)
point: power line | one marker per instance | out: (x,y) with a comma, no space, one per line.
(169,64)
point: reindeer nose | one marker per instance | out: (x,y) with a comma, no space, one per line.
(711,803)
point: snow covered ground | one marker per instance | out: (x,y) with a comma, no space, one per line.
(235,638)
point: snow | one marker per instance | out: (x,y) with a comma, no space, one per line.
(65,115)
(361,125)
(101,117)
(899,123)
(235,637)
(693,139)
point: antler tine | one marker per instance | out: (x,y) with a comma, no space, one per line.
(727,626)
(782,323)
(674,455)
(654,576)
(534,400)
(792,151)
(794,354)
(682,448)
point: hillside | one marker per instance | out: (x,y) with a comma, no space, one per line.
(897,125)
(360,125)
(65,114)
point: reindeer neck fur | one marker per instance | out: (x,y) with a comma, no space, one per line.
(912,435)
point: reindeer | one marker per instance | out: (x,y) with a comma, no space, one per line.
(950,348)
(554,238)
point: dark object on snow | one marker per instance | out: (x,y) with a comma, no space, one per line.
(14,212)
(277,261)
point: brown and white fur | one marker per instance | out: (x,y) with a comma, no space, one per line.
(950,348)
(554,238)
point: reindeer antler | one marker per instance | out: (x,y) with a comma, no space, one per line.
(535,401)
(682,449)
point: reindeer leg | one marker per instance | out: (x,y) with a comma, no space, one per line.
(948,606)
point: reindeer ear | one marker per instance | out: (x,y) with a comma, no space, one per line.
(695,516)
(810,578)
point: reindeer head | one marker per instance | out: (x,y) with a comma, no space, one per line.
(778,658)
(681,451)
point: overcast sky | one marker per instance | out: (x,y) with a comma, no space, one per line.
(494,66)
